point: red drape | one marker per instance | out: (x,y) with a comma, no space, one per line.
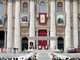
(42,33)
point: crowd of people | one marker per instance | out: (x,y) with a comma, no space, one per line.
(74,50)
(8,50)
(34,58)
(30,58)
(14,50)
(58,58)
(9,58)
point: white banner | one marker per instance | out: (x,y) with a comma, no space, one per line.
(42,18)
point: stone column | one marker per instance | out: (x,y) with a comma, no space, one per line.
(17,40)
(75,23)
(5,45)
(37,39)
(9,25)
(32,22)
(47,39)
(53,43)
(67,26)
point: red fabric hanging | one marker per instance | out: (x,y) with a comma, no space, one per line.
(42,33)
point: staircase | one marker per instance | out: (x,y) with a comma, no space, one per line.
(43,56)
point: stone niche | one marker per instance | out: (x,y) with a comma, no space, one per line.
(60,30)
(24,31)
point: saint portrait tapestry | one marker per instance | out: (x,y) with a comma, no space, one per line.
(60,19)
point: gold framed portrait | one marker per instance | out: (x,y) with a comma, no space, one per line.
(60,19)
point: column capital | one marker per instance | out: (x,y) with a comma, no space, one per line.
(17,0)
(9,0)
(75,0)
(53,0)
(32,0)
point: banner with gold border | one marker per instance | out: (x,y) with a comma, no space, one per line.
(60,19)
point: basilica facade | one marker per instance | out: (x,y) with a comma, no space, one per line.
(22,19)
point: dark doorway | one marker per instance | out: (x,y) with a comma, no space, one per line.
(2,39)
(24,43)
(60,41)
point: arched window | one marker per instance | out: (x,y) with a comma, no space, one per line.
(25,8)
(42,7)
(2,7)
(59,7)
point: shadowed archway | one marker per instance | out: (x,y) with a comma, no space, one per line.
(24,43)
(60,43)
(2,39)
